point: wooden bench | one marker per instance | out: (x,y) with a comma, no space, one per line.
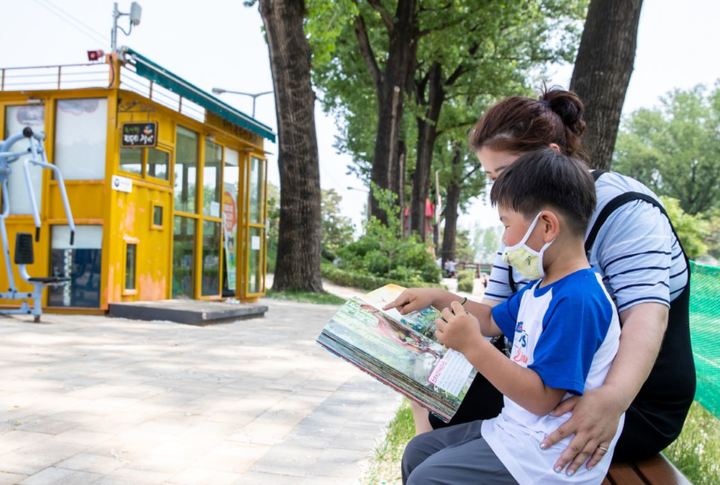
(654,471)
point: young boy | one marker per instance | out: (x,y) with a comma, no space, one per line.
(563,327)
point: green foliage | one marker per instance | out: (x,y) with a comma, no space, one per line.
(385,466)
(337,230)
(675,148)
(464,250)
(273,214)
(697,451)
(306,297)
(692,230)
(466,280)
(486,242)
(495,49)
(365,281)
(381,252)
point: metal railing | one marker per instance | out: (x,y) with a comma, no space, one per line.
(131,81)
(94,75)
(68,76)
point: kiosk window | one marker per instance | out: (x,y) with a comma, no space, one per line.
(157,216)
(80,263)
(130,265)
(17,118)
(157,163)
(186,157)
(131,160)
(80,138)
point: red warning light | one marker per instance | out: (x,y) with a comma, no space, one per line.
(95,55)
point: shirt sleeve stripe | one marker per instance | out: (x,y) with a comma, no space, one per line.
(641,284)
(678,274)
(498,282)
(645,298)
(604,268)
(504,268)
(677,290)
(677,255)
(496,296)
(659,268)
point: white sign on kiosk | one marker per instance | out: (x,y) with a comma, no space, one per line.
(121,184)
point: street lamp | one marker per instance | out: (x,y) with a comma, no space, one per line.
(254,96)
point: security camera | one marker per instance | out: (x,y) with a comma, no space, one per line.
(135,13)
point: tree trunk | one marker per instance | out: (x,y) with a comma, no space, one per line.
(298,256)
(427,125)
(602,72)
(452,200)
(390,85)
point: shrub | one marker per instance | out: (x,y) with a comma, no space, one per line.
(466,280)
(366,281)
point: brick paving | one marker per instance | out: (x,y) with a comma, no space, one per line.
(90,399)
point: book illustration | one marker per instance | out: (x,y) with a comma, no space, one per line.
(399,350)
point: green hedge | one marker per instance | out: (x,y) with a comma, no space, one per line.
(367,282)
(466,280)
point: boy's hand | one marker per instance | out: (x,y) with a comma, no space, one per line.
(457,329)
(411,300)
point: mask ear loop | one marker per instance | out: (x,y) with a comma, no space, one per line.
(527,233)
(541,253)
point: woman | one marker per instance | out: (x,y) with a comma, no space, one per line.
(632,244)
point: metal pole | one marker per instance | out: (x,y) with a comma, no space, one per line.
(113,32)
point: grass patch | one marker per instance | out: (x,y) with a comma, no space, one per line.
(306,297)
(696,452)
(385,465)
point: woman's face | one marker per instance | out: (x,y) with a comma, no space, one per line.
(494,161)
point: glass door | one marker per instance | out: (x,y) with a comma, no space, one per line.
(231,179)
(186,218)
(255,230)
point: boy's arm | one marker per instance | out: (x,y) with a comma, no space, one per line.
(483,313)
(524,386)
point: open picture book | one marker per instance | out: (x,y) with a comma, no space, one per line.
(400,350)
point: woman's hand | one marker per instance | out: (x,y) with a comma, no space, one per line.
(413,299)
(594,421)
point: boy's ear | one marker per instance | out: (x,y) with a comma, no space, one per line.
(551,225)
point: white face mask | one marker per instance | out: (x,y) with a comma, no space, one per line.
(524,258)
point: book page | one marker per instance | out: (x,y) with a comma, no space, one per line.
(450,374)
(421,321)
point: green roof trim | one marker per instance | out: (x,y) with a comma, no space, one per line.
(158,74)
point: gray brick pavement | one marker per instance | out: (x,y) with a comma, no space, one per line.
(87,399)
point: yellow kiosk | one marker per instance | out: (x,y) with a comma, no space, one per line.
(166,184)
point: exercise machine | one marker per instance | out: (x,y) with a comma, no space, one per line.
(23,240)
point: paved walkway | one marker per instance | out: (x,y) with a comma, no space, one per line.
(86,399)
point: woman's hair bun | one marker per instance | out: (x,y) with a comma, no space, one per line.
(568,107)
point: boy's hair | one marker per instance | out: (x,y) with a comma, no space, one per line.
(547,178)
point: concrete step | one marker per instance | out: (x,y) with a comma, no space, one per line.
(190,312)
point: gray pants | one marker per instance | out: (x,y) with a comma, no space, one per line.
(453,455)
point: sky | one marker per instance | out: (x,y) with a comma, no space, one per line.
(219,43)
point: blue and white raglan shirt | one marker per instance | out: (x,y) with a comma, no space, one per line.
(568,332)
(635,252)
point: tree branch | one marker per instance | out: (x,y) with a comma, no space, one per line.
(384,14)
(462,67)
(452,23)
(367,52)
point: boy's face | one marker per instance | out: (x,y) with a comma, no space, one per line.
(516,226)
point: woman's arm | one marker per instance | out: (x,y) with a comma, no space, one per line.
(595,417)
